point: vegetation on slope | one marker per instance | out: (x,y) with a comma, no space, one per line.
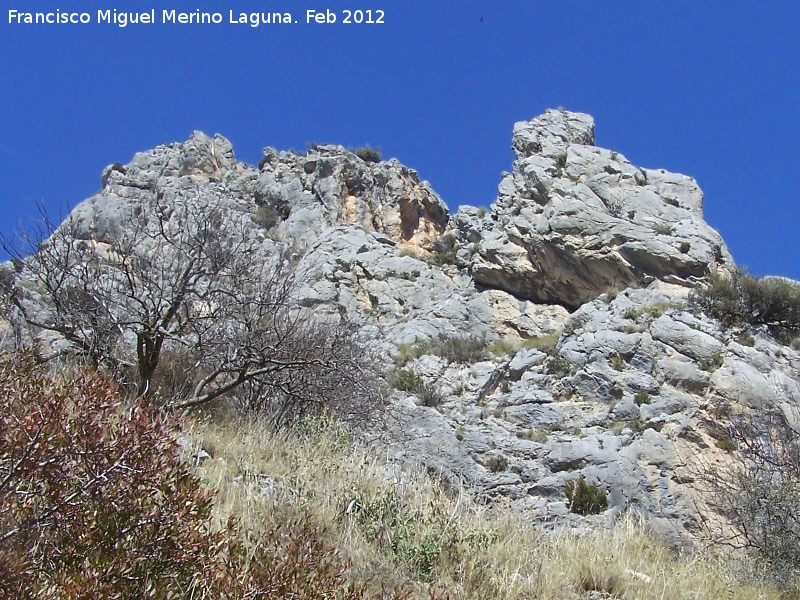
(99,500)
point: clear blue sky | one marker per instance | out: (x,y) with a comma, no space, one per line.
(710,89)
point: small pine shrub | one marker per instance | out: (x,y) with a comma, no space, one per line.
(711,364)
(406,380)
(685,247)
(664,229)
(672,202)
(558,365)
(370,155)
(585,498)
(641,397)
(631,314)
(497,463)
(269,216)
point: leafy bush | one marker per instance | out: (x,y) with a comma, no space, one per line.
(370,155)
(742,298)
(641,397)
(585,498)
(94,500)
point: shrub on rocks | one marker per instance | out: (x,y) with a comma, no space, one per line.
(742,298)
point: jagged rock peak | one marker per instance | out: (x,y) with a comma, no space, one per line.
(552,132)
(294,196)
(573,220)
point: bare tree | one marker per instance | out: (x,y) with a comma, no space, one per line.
(185,277)
(758,492)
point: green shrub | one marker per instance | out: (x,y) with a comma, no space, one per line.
(445,250)
(497,463)
(711,364)
(672,202)
(406,380)
(746,299)
(641,397)
(452,348)
(268,216)
(370,155)
(664,229)
(685,247)
(746,339)
(558,365)
(585,498)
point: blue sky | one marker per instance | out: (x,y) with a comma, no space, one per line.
(710,89)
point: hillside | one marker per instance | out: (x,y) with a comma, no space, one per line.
(553,338)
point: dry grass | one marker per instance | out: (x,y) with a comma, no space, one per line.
(402,530)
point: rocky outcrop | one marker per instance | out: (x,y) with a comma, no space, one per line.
(628,390)
(633,396)
(572,220)
(292,197)
(330,186)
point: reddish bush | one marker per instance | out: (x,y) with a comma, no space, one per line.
(94,500)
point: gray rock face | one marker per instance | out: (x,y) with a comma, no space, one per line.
(572,221)
(330,186)
(627,390)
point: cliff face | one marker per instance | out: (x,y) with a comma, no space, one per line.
(576,278)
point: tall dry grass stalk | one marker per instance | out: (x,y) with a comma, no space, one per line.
(402,530)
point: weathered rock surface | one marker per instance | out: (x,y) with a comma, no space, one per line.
(572,220)
(627,390)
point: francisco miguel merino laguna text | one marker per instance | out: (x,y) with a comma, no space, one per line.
(123,19)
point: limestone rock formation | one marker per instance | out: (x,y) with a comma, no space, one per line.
(572,220)
(578,353)
(331,186)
